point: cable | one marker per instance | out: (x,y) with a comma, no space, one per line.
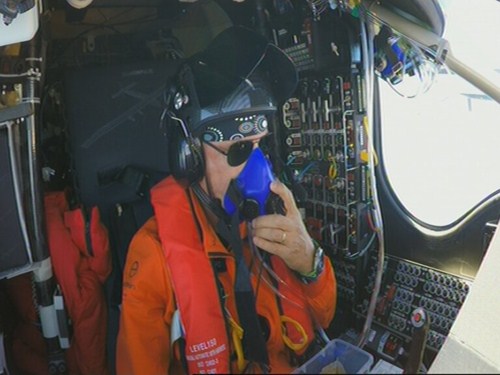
(414,57)
(25,74)
(368,13)
(291,160)
(300,176)
(17,190)
(318,6)
(322,334)
(370,222)
(273,274)
(332,169)
(367,35)
(263,264)
(259,275)
(425,71)
(363,251)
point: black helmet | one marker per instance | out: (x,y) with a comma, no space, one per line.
(239,74)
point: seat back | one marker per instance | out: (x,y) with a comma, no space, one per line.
(119,151)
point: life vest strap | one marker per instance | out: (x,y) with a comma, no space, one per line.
(254,344)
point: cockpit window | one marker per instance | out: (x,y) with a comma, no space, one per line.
(440,148)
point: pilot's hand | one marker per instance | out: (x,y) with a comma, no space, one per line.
(285,235)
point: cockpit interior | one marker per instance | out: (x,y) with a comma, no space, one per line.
(82,111)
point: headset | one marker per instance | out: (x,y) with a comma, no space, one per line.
(187,164)
(185,153)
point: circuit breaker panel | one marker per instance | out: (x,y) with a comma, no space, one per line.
(324,133)
(324,146)
(324,140)
(408,286)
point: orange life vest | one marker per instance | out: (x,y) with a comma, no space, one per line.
(81,263)
(184,233)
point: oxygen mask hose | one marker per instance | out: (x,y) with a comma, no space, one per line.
(264,263)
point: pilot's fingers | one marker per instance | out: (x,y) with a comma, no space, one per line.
(286,195)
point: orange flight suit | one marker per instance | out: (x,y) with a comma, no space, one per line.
(148,303)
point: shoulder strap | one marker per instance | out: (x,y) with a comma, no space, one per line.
(253,341)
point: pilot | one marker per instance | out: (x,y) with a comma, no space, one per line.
(224,278)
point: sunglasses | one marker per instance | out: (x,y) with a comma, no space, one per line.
(239,152)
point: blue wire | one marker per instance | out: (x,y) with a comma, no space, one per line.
(290,161)
(300,176)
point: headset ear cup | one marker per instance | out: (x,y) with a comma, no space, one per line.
(186,160)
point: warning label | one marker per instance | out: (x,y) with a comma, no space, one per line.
(204,355)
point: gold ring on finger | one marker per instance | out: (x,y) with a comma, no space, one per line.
(283,237)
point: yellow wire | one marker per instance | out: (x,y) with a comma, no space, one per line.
(332,169)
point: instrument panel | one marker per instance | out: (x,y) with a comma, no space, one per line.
(324,133)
